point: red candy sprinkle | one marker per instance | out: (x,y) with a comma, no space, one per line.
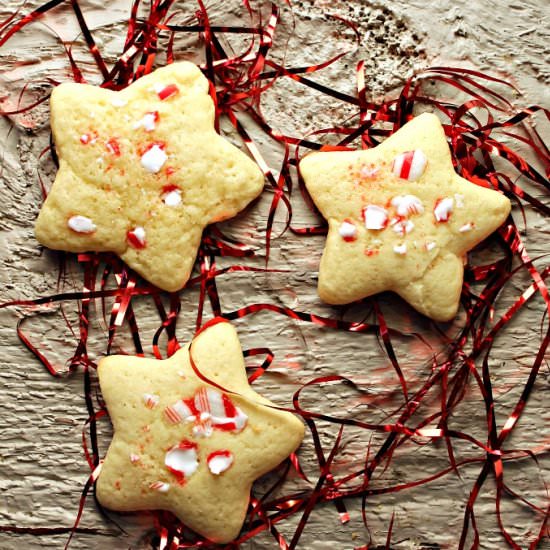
(168,91)
(113,147)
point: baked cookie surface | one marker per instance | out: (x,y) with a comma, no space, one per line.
(185,446)
(399,219)
(142,172)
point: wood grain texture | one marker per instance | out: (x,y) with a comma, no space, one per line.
(42,466)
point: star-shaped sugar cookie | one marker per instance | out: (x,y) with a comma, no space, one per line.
(185,446)
(400,219)
(142,172)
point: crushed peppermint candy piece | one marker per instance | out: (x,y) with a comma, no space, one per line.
(348,230)
(443,209)
(134,458)
(400,248)
(208,409)
(119,102)
(410,165)
(165,91)
(219,461)
(430,245)
(136,237)
(151,400)
(171,196)
(154,158)
(402,227)
(182,459)
(113,147)
(466,227)
(407,205)
(85,139)
(224,415)
(160,486)
(81,224)
(375,216)
(178,412)
(148,122)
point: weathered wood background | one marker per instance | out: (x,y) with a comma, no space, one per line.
(42,467)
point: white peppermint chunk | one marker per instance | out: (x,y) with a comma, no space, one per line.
(81,224)
(153,159)
(400,248)
(443,209)
(376,217)
(172,198)
(347,230)
(407,205)
(148,122)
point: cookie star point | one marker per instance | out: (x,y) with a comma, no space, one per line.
(400,219)
(185,446)
(122,153)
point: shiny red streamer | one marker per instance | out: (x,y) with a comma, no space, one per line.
(238,81)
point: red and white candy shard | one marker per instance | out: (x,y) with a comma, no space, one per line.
(407,205)
(376,217)
(219,461)
(209,409)
(179,412)
(164,91)
(347,230)
(182,460)
(224,415)
(113,147)
(151,400)
(466,227)
(400,248)
(172,197)
(81,224)
(148,122)
(154,159)
(160,486)
(136,237)
(410,165)
(443,209)
(430,245)
(403,227)
(134,458)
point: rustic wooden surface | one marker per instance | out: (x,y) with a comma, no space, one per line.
(42,467)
